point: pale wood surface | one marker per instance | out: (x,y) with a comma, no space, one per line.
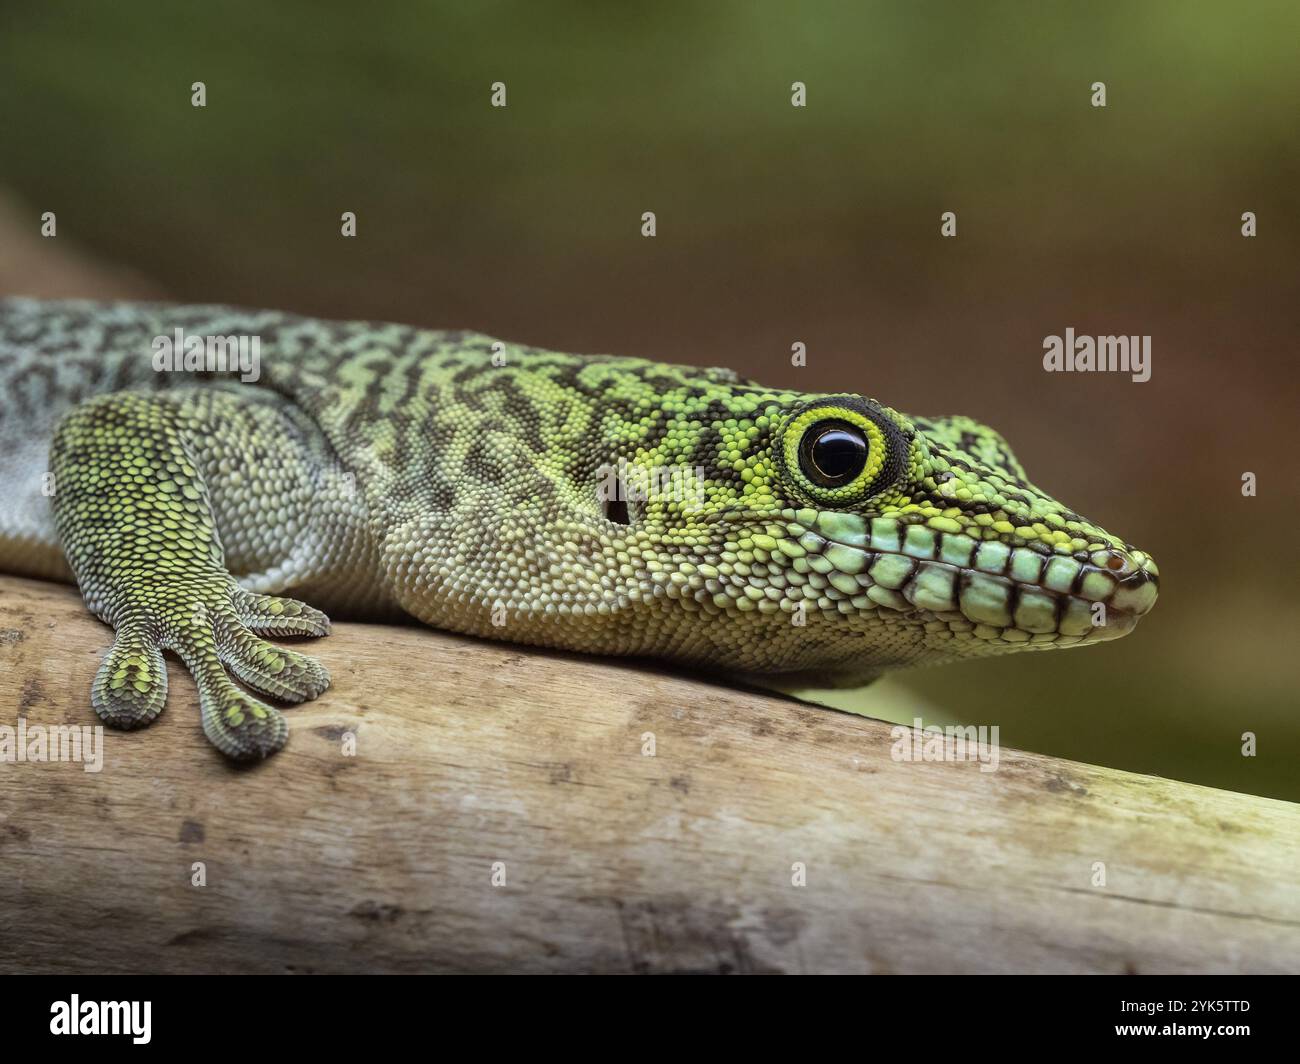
(470,753)
(58,267)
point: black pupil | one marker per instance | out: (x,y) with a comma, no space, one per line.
(837,455)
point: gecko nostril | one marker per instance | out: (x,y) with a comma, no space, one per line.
(1132,568)
(1119,562)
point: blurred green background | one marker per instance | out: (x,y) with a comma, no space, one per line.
(775,224)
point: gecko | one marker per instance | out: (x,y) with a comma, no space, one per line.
(600,504)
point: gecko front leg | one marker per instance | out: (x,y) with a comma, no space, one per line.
(135,517)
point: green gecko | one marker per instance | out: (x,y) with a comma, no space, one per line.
(376,470)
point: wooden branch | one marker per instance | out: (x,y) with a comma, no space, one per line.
(32,265)
(470,753)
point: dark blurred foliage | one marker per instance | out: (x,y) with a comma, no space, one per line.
(778,224)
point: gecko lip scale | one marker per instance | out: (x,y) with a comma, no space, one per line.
(994,592)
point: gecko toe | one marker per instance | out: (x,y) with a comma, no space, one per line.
(277,615)
(239,725)
(130,688)
(272,670)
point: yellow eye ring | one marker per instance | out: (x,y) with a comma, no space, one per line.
(839,451)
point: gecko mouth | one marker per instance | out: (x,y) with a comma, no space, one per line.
(989,590)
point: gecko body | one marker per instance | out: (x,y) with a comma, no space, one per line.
(593,503)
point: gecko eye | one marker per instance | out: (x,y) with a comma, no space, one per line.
(832,453)
(837,451)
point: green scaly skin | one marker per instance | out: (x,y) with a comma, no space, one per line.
(378,469)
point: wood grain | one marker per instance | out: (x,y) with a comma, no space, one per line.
(470,753)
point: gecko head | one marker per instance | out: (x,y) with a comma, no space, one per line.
(855,538)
